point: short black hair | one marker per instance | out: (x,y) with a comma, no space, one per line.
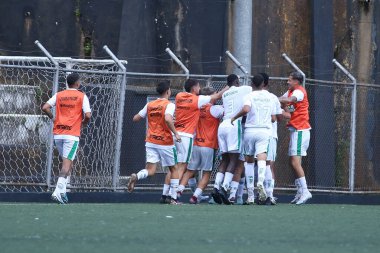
(297,76)
(231,78)
(162,87)
(257,80)
(207,91)
(266,78)
(190,83)
(72,79)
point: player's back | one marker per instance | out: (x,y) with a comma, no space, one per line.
(233,100)
(262,109)
(277,111)
(187,112)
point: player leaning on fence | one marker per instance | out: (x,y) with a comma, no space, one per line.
(70,104)
(296,102)
(159,139)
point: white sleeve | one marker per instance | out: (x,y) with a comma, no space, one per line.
(143,111)
(285,94)
(298,94)
(247,100)
(86,104)
(217,111)
(52,101)
(170,108)
(202,100)
(277,103)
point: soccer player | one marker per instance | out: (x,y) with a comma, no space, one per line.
(229,138)
(297,103)
(70,104)
(259,108)
(159,139)
(272,148)
(205,146)
(187,112)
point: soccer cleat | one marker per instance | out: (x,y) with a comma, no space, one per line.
(64,198)
(203,198)
(305,196)
(261,192)
(223,196)
(163,199)
(250,200)
(216,196)
(131,183)
(175,202)
(296,198)
(57,198)
(239,201)
(168,200)
(270,201)
(193,200)
(231,200)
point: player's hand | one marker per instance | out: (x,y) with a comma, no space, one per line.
(177,138)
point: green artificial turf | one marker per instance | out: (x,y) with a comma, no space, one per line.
(188,228)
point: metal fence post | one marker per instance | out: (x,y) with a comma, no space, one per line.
(295,67)
(353,125)
(239,65)
(175,58)
(54,91)
(119,136)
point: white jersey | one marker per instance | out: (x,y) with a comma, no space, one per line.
(262,108)
(233,100)
(278,110)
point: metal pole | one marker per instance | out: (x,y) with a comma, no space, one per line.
(54,91)
(295,67)
(175,58)
(353,125)
(239,65)
(119,134)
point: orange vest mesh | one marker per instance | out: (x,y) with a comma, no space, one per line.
(69,113)
(207,129)
(158,132)
(299,111)
(187,112)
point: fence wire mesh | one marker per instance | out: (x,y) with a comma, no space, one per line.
(25,84)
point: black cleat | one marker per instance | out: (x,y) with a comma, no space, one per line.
(223,196)
(163,199)
(216,196)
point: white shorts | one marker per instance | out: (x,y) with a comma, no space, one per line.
(299,142)
(184,149)
(167,156)
(272,149)
(203,158)
(230,136)
(67,148)
(255,142)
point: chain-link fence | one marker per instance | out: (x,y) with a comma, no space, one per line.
(26,83)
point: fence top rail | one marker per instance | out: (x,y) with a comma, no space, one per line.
(59,59)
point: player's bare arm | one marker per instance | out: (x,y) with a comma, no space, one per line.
(87,117)
(243,112)
(169,122)
(286,100)
(218,95)
(46,108)
(137,118)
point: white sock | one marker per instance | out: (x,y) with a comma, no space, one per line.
(268,181)
(298,185)
(165,190)
(142,174)
(68,183)
(261,172)
(234,187)
(227,180)
(240,190)
(302,181)
(174,187)
(198,192)
(271,188)
(218,180)
(181,188)
(61,185)
(250,177)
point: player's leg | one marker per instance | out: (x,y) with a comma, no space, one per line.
(235,181)
(165,197)
(250,179)
(193,166)
(240,191)
(184,180)
(200,187)
(219,178)
(168,159)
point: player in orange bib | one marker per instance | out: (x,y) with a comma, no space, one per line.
(70,105)
(296,102)
(205,146)
(159,139)
(187,112)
